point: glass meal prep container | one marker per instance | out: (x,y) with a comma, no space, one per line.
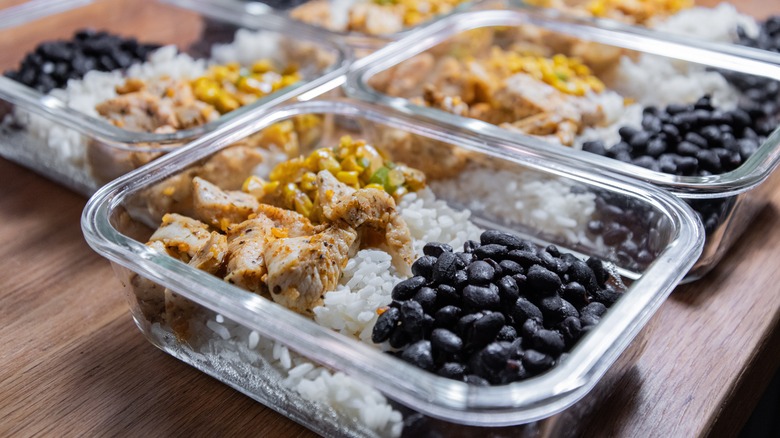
(549,81)
(99,125)
(320,367)
(364,25)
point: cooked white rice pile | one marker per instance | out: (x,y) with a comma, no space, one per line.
(65,149)
(547,204)
(718,24)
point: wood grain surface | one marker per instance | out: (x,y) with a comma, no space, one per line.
(72,362)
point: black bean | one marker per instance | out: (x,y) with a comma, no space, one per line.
(480,272)
(553,309)
(385,325)
(427,299)
(605,296)
(406,289)
(436,249)
(667,164)
(655,147)
(445,267)
(510,267)
(446,295)
(461,280)
(548,261)
(524,310)
(588,320)
(508,290)
(646,161)
(583,274)
(419,354)
(614,233)
(639,140)
(571,329)
(595,309)
(466,258)
(548,341)
(492,251)
(676,108)
(399,338)
(530,327)
(481,297)
(465,323)
(575,293)
(595,147)
(597,266)
(496,354)
(446,340)
(412,317)
(470,246)
(524,258)
(447,316)
(424,266)
(686,165)
(627,132)
(452,370)
(747,147)
(508,240)
(507,333)
(485,329)
(709,160)
(536,362)
(543,280)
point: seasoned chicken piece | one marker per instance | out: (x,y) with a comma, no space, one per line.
(302,269)
(374,19)
(150,296)
(140,111)
(230,167)
(211,257)
(290,222)
(526,96)
(220,208)
(367,207)
(181,236)
(179,310)
(405,79)
(246,243)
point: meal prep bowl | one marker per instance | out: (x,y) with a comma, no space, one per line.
(361,42)
(339,386)
(83,151)
(727,201)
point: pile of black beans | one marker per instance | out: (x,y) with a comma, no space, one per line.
(502,310)
(626,224)
(763,93)
(768,35)
(53,63)
(691,140)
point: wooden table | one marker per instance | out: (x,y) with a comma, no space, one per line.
(72,362)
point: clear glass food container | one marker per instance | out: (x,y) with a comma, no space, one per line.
(319,13)
(84,151)
(332,382)
(397,76)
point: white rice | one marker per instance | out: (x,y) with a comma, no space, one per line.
(659,81)
(523,198)
(718,24)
